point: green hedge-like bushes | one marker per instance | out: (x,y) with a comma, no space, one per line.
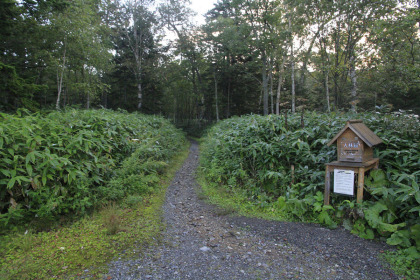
(257,154)
(70,161)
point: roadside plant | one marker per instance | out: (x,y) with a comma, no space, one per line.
(69,162)
(280,166)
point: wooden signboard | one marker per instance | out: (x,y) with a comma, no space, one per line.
(350,149)
(354,154)
(355,142)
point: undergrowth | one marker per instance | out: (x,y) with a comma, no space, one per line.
(67,162)
(83,248)
(273,167)
(94,189)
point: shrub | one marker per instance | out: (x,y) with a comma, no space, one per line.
(280,165)
(68,162)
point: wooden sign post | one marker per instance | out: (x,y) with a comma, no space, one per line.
(355,154)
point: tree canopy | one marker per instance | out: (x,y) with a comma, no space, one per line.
(250,56)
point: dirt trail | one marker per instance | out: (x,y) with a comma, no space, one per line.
(199,243)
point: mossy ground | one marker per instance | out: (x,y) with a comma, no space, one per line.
(87,245)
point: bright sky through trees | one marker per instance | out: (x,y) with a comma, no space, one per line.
(201,7)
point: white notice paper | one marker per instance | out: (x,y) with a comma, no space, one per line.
(344,181)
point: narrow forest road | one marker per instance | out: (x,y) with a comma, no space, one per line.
(199,243)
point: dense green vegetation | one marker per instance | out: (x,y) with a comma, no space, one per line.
(58,166)
(84,247)
(249,57)
(69,162)
(274,167)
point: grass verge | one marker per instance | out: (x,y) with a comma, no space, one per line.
(236,201)
(405,263)
(87,245)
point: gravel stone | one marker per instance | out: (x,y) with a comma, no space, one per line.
(199,243)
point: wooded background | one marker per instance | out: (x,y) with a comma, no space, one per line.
(257,56)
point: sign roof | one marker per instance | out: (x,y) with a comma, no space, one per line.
(362,131)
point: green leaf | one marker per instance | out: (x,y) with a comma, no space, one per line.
(385,228)
(413,252)
(414,209)
(29,169)
(347,224)
(328,207)
(11,183)
(372,214)
(5,172)
(44,177)
(369,234)
(417,196)
(401,238)
(415,235)
(326,219)
(30,157)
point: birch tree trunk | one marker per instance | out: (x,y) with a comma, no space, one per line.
(60,77)
(215,95)
(353,79)
(327,91)
(293,84)
(292,59)
(418,4)
(325,65)
(337,65)
(281,70)
(265,84)
(136,47)
(270,78)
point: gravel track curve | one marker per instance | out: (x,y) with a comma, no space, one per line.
(199,243)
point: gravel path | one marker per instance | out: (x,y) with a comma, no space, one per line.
(199,243)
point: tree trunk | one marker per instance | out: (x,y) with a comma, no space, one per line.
(325,63)
(139,96)
(270,78)
(87,92)
(60,77)
(293,69)
(105,99)
(137,49)
(174,110)
(279,85)
(353,84)
(337,64)
(327,91)
(418,3)
(265,85)
(215,95)
(293,86)
(228,95)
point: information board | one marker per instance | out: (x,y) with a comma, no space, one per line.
(344,181)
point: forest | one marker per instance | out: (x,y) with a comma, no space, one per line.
(94,93)
(262,56)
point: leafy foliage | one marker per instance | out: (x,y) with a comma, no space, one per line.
(279,165)
(69,162)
